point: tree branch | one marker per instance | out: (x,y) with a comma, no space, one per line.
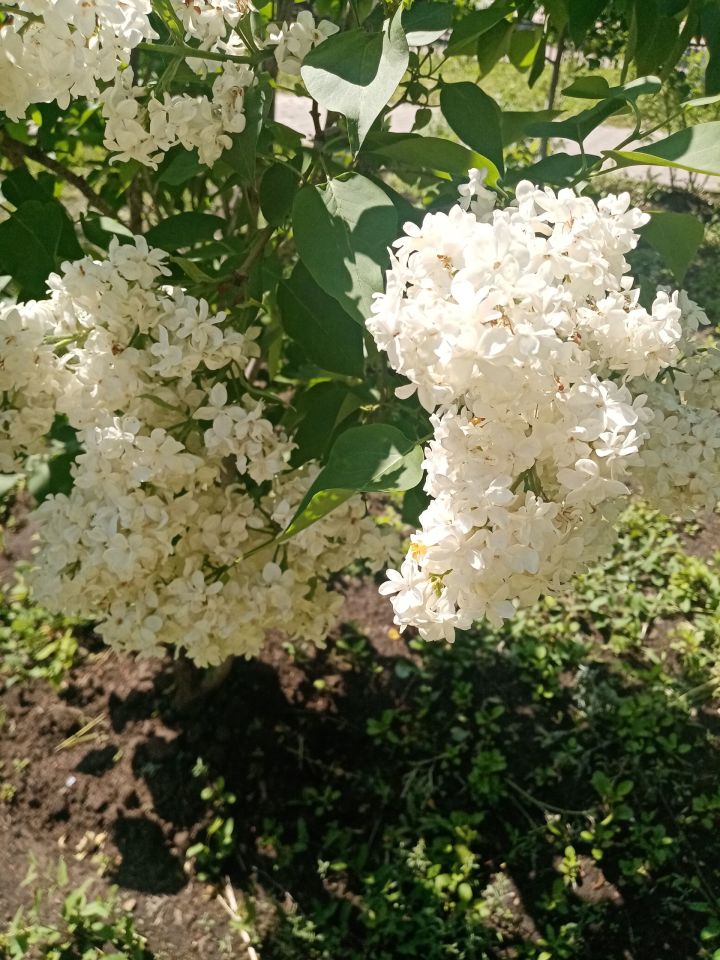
(554,82)
(185,51)
(13,11)
(17,152)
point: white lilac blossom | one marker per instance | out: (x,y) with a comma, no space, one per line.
(553,393)
(182,482)
(140,126)
(60,49)
(294,41)
(210,21)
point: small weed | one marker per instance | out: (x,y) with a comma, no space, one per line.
(82,926)
(207,857)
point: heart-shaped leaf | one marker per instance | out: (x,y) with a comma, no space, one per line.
(342,232)
(355,73)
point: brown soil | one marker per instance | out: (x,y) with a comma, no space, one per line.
(121,799)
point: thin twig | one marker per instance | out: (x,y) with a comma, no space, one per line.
(134,196)
(17,12)
(254,253)
(184,51)
(554,82)
(17,152)
(315,114)
(543,805)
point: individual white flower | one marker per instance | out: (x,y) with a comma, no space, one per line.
(475,196)
(210,20)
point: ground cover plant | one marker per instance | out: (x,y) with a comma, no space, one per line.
(331,313)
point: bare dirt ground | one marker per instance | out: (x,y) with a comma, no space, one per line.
(121,799)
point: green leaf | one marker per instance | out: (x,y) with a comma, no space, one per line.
(475,117)
(322,410)
(676,237)
(710,22)
(524,44)
(695,148)
(52,476)
(425,22)
(372,458)
(557,170)
(423,116)
(19,185)
(192,271)
(540,61)
(184,230)
(342,232)
(328,336)
(284,137)
(557,11)
(34,241)
(277,192)
(431,153)
(414,502)
(355,73)
(516,122)
(579,126)
(597,88)
(463,40)
(670,8)
(404,209)
(493,45)
(100,230)
(582,15)
(655,36)
(179,165)
(701,101)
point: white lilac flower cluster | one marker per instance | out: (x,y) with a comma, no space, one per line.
(215,23)
(182,480)
(294,41)
(142,126)
(210,21)
(60,49)
(552,391)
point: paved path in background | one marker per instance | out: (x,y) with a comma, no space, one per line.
(295,112)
